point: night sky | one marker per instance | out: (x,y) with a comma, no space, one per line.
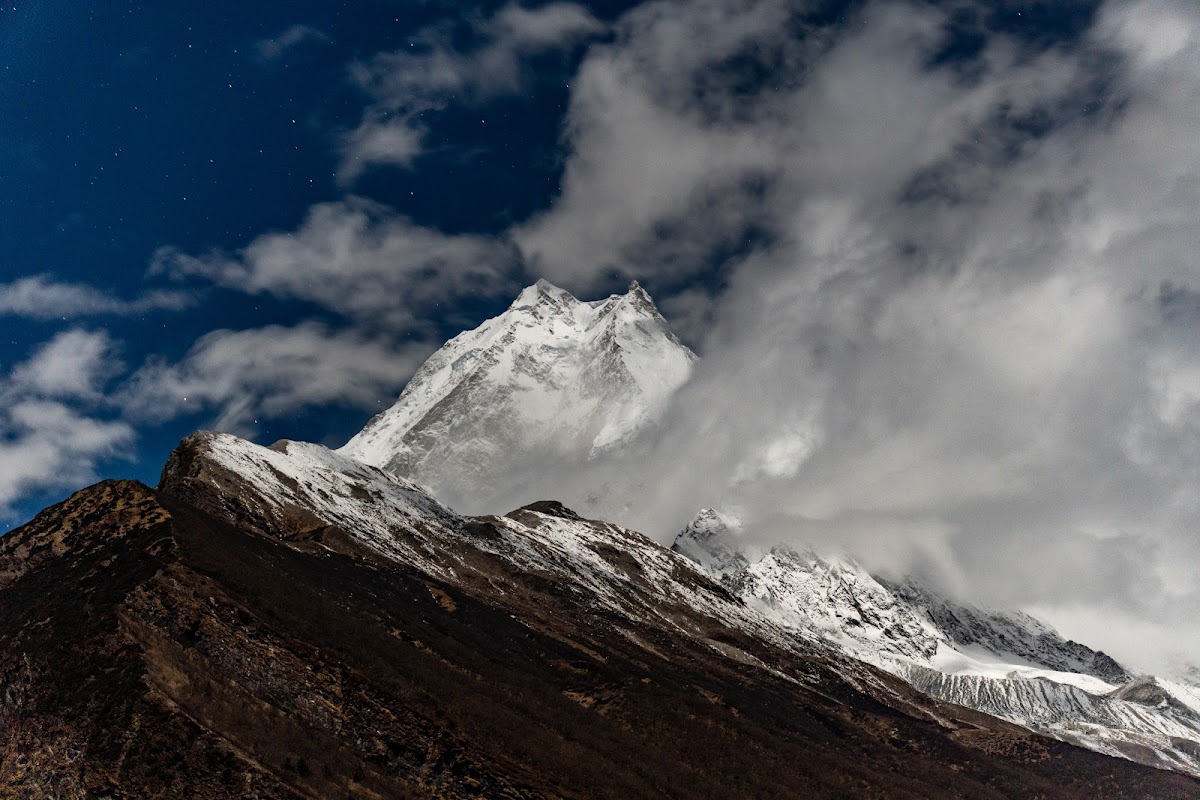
(938,257)
(128,127)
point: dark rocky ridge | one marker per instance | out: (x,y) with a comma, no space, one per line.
(179,643)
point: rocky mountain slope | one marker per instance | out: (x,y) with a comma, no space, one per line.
(1007,664)
(296,622)
(291,623)
(553,380)
(557,381)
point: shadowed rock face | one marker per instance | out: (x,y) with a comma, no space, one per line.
(197,642)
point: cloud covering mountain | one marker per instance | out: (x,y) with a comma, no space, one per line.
(957,330)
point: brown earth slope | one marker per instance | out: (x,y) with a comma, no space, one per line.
(149,649)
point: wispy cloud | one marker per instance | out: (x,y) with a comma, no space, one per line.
(432,72)
(245,378)
(362,260)
(42,297)
(275,48)
(74,365)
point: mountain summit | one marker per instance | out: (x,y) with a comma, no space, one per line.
(551,380)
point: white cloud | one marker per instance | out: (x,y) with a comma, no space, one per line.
(432,73)
(49,445)
(381,141)
(41,297)
(75,364)
(654,176)
(361,260)
(277,47)
(945,341)
(267,373)
(52,433)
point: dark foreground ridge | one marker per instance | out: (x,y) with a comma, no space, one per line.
(151,649)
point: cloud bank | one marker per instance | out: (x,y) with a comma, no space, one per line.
(951,311)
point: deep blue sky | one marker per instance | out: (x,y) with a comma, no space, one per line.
(128,126)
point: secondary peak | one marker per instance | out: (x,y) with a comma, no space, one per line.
(540,292)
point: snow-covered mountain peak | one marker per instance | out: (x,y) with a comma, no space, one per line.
(638,298)
(544,296)
(542,300)
(711,541)
(552,380)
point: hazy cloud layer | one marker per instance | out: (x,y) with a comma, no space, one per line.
(432,73)
(41,297)
(959,336)
(52,433)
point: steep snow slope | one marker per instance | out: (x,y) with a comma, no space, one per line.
(551,380)
(1010,665)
